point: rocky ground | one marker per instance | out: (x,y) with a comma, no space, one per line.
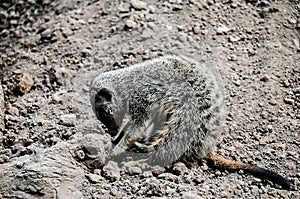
(51,50)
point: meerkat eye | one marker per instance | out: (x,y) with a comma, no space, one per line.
(103,96)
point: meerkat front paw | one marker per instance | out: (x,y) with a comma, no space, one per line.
(139,163)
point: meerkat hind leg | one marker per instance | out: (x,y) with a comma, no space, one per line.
(222,163)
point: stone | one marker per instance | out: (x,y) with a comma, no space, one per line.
(222,29)
(93,146)
(129,23)
(94,178)
(190,195)
(146,174)
(134,170)
(138,5)
(63,76)
(3,19)
(86,52)
(68,119)
(234,39)
(114,192)
(112,171)
(80,154)
(289,101)
(168,176)
(158,170)
(232,57)
(48,172)
(265,78)
(13,110)
(25,84)
(14,22)
(124,7)
(196,29)
(234,5)
(179,168)
(286,83)
(92,151)
(46,34)
(272,102)
(292,21)
(66,32)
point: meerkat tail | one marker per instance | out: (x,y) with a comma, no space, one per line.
(222,163)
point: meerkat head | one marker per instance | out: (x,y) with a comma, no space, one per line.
(104,100)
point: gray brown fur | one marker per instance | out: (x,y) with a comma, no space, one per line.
(169,108)
(165,110)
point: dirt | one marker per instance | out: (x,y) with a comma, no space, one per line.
(51,51)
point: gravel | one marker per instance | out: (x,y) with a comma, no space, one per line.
(51,50)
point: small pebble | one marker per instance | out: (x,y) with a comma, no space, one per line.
(113,192)
(272,102)
(130,23)
(179,168)
(168,176)
(66,32)
(26,82)
(289,101)
(158,170)
(146,174)
(234,5)
(138,5)
(112,171)
(13,110)
(93,178)
(232,57)
(265,78)
(292,21)
(68,119)
(13,22)
(196,29)
(46,33)
(264,114)
(97,171)
(63,76)
(234,39)
(134,170)
(204,167)
(286,83)
(86,52)
(3,19)
(124,7)
(222,29)
(80,154)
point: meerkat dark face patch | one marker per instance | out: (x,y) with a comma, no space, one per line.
(103,110)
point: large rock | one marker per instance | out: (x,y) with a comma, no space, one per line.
(54,172)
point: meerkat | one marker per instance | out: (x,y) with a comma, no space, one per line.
(165,110)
